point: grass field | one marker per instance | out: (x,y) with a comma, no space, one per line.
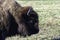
(49,19)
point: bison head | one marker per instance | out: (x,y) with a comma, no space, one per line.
(30,21)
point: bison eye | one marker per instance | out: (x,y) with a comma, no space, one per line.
(31,21)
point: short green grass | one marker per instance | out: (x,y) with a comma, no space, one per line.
(49,20)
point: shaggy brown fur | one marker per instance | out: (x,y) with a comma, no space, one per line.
(15,19)
(7,22)
(3,23)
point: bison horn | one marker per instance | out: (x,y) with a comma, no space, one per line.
(29,11)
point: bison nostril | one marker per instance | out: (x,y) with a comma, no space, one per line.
(33,31)
(37,30)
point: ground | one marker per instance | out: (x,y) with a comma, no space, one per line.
(49,19)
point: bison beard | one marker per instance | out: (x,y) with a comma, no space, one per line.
(18,20)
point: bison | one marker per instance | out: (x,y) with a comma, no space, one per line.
(15,19)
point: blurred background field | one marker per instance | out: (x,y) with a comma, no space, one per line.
(49,19)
